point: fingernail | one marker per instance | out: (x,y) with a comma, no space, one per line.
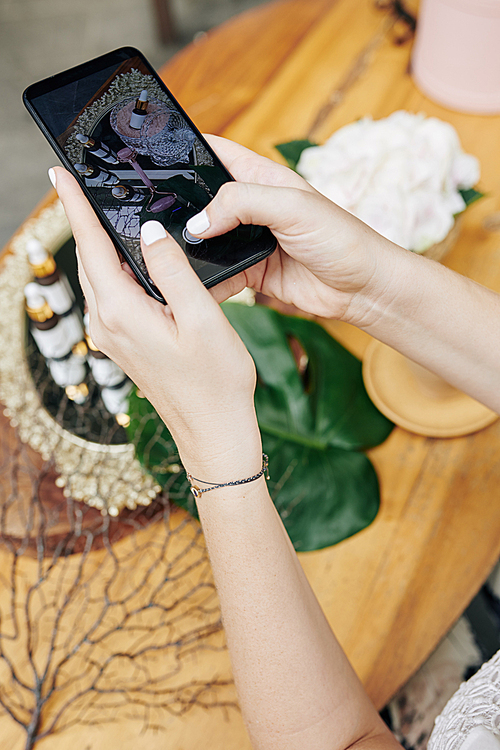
(152,231)
(52,177)
(198,224)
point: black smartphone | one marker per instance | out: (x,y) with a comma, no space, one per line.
(114,124)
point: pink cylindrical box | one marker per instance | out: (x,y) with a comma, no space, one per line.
(456,57)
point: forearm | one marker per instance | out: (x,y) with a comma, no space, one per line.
(440,319)
(295,685)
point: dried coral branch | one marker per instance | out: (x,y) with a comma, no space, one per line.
(99,616)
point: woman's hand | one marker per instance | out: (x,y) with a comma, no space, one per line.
(326,259)
(331,264)
(185,357)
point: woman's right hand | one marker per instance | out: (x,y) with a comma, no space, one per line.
(327,261)
(330,264)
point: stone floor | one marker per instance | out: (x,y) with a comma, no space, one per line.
(42,37)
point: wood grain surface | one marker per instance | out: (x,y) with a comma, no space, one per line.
(392,591)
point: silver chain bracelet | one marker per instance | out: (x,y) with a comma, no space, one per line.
(197,491)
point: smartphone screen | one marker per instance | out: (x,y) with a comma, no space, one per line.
(139,157)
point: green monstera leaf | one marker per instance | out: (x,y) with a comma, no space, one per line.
(313,426)
(292,150)
(156,450)
(314,423)
(328,405)
(470,195)
(322,496)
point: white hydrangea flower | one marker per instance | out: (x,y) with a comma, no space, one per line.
(401,175)
(465,171)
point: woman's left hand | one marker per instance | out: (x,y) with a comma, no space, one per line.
(185,357)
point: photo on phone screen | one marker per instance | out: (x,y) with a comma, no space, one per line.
(140,158)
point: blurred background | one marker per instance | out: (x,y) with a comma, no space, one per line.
(41,37)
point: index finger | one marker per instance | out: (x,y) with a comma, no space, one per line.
(247,166)
(97,252)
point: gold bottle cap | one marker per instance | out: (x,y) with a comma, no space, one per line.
(142,101)
(46,268)
(41,261)
(40,314)
(80,349)
(119,191)
(37,307)
(86,170)
(122,419)
(77,393)
(90,343)
(85,140)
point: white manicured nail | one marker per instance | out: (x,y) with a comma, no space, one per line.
(152,231)
(198,224)
(52,176)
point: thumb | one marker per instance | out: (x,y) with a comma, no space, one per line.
(276,207)
(171,272)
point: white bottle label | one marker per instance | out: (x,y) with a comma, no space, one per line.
(69,371)
(53,342)
(116,401)
(64,280)
(58,295)
(137,120)
(105,371)
(74,328)
(102,179)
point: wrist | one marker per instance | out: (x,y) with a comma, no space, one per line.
(371,303)
(200,487)
(224,453)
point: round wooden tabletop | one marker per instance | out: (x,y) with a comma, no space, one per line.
(392,591)
(295,69)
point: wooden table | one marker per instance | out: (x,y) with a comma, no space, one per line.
(392,591)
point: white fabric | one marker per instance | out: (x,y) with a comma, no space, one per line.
(481,739)
(415,708)
(471,719)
